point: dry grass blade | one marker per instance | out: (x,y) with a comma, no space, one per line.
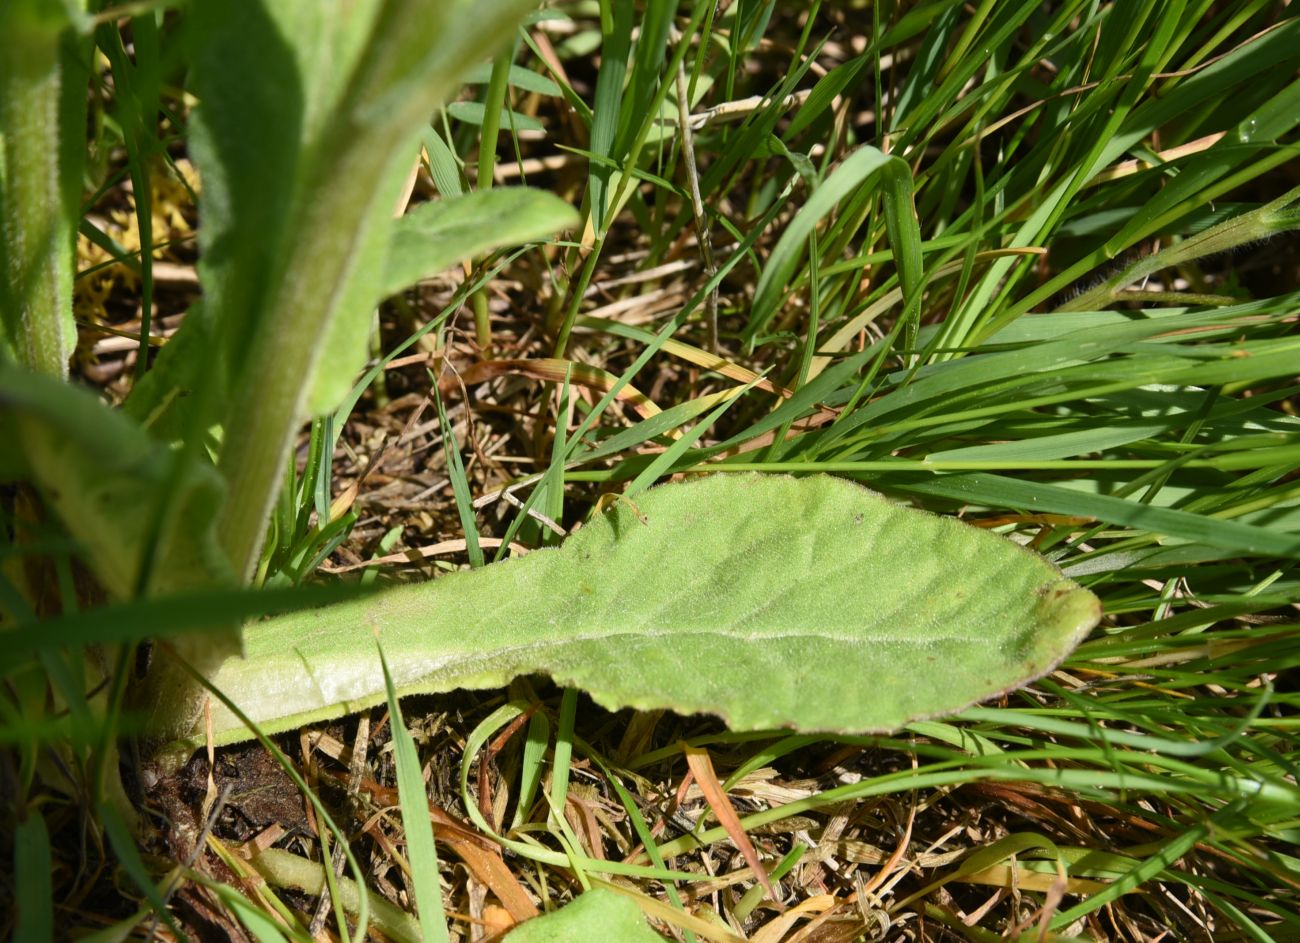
(779,927)
(691,354)
(553,370)
(701,767)
(479,855)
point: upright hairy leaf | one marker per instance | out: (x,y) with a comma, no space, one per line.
(308,120)
(43,72)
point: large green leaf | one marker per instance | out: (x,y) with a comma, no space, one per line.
(770,601)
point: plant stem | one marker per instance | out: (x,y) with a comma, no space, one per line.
(40,87)
(1266,221)
(493,102)
(268,406)
(285,870)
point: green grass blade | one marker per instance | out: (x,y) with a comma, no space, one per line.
(128,854)
(418,826)
(459,484)
(1000,491)
(33,890)
(857,170)
(607,108)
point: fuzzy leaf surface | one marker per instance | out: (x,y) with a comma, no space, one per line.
(770,601)
(43,75)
